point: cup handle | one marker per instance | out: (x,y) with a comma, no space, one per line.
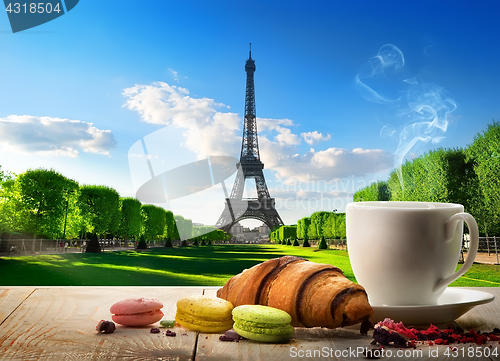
(450,228)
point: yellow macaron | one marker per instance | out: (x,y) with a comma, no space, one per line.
(204,314)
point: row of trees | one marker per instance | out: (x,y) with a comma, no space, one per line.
(469,176)
(329,225)
(47,204)
(283,233)
(216,235)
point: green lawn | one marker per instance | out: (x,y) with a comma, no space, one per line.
(204,266)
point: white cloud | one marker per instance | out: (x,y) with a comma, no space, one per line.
(53,136)
(222,136)
(299,193)
(332,163)
(314,137)
(175,74)
(264,124)
(286,137)
(160,103)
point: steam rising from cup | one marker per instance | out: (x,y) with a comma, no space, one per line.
(422,109)
(388,61)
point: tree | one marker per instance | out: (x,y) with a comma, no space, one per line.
(322,243)
(170,227)
(335,226)
(202,230)
(222,236)
(306,242)
(402,189)
(142,243)
(439,175)
(484,153)
(5,175)
(7,201)
(302,227)
(274,234)
(330,227)
(93,246)
(318,223)
(43,196)
(376,191)
(286,232)
(340,227)
(184,227)
(100,207)
(9,206)
(130,218)
(154,221)
(187,228)
(462,182)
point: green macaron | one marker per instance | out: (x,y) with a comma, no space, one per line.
(262,323)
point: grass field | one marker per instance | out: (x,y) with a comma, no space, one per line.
(203,266)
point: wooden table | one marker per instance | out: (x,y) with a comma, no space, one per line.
(58,323)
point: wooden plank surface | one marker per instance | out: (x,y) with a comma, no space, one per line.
(59,324)
(346,343)
(484,317)
(11,298)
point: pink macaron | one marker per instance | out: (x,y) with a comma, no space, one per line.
(137,311)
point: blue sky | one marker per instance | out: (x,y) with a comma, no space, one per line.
(335,84)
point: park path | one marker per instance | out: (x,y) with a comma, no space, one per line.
(482,257)
(67,251)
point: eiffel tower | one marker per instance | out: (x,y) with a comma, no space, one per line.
(238,208)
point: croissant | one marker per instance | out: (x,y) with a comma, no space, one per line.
(314,294)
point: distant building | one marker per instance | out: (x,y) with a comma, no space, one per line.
(263,229)
(246,235)
(237,229)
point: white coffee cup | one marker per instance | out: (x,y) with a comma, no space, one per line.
(406,253)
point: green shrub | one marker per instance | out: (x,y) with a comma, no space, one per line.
(296,242)
(168,242)
(142,243)
(93,246)
(322,243)
(306,243)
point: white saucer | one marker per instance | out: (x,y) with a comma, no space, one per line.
(452,304)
